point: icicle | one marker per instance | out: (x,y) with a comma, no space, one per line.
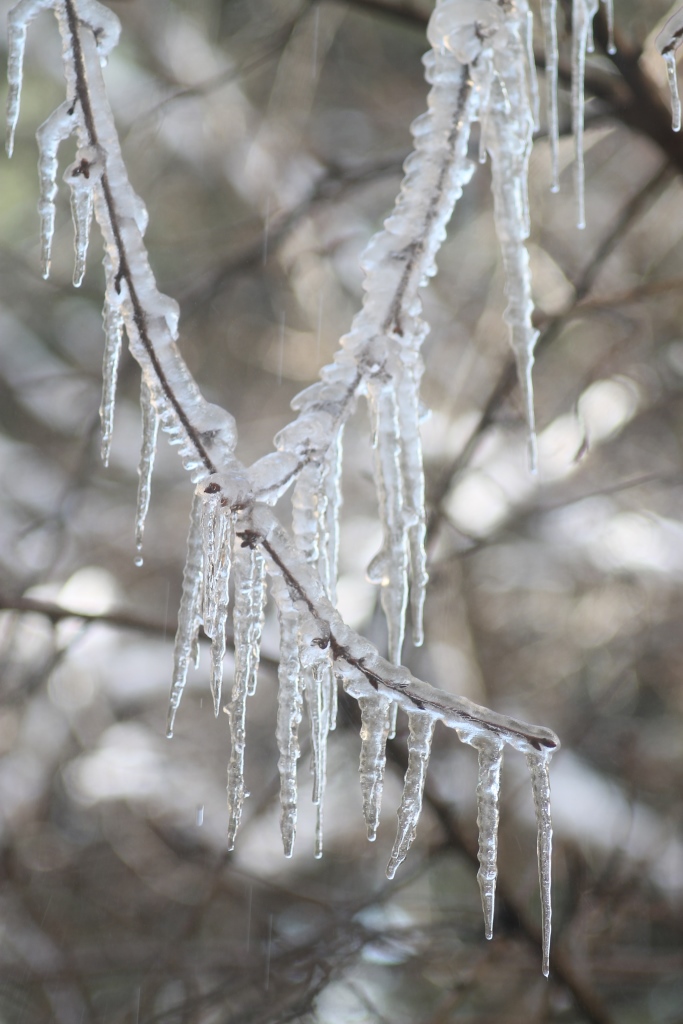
(540,784)
(609,11)
(189,614)
(549,14)
(150,432)
(211,541)
(58,127)
(256,618)
(215,625)
(330,507)
(246,576)
(316,692)
(113,338)
(393,719)
(18,20)
(373,733)
(509,132)
(288,711)
(81,177)
(334,700)
(488,793)
(671,72)
(421,728)
(408,408)
(583,12)
(531,70)
(390,567)
(667,42)
(305,500)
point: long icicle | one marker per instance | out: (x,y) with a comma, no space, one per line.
(150,433)
(55,130)
(421,730)
(540,784)
(549,15)
(112,320)
(488,797)
(583,12)
(289,706)
(219,605)
(374,730)
(244,583)
(189,617)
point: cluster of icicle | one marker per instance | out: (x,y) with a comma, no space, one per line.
(480,68)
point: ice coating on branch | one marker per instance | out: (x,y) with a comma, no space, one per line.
(540,785)
(421,730)
(549,16)
(374,731)
(379,355)
(668,42)
(55,130)
(488,795)
(189,616)
(583,12)
(150,432)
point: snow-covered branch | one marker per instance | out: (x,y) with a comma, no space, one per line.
(479,67)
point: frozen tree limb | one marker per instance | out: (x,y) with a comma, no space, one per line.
(380,356)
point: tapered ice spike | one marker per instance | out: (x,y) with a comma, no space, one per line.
(58,127)
(390,567)
(333,500)
(189,613)
(150,433)
(609,11)
(18,20)
(218,605)
(113,340)
(488,795)
(549,15)
(672,76)
(531,69)
(374,713)
(257,617)
(540,784)
(81,213)
(289,707)
(583,12)
(413,487)
(245,572)
(421,730)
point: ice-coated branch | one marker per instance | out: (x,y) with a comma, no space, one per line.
(231,525)
(380,357)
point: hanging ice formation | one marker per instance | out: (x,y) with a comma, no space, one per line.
(667,42)
(479,68)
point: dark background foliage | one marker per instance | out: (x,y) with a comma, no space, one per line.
(266,137)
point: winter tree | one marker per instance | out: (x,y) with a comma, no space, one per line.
(267,137)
